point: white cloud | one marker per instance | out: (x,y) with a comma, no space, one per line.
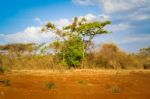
(30,34)
(120,27)
(37,19)
(135,38)
(91,17)
(111,6)
(62,22)
(33,34)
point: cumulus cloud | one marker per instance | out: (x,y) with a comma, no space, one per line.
(120,27)
(33,33)
(62,22)
(111,6)
(30,34)
(122,10)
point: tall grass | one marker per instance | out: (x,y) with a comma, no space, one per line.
(109,56)
(30,62)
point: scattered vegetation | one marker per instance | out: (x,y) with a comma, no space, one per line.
(82,82)
(51,85)
(115,89)
(109,56)
(6,82)
(2,69)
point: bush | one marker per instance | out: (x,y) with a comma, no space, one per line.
(51,85)
(72,55)
(115,89)
(110,56)
(147,65)
(2,69)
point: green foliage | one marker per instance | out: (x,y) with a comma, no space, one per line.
(93,28)
(51,85)
(2,69)
(73,51)
(87,30)
(56,45)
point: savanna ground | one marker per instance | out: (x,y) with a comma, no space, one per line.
(75,84)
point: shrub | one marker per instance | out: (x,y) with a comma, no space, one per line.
(72,55)
(115,89)
(147,65)
(110,56)
(51,85)
(83,82)
(6,82)
(2,69)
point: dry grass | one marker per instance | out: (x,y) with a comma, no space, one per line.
(108,57)
(77,72)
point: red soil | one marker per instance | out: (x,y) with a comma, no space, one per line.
(77,85)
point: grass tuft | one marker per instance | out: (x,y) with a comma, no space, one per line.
(6,82)
(115,89)
(51,85)
(83,82)
(2,69)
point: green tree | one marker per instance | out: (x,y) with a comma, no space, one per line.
(87,30)
(76,38)
(72,53)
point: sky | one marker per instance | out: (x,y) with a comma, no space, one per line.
(21,20)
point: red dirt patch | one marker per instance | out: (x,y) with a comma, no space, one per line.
(77,85)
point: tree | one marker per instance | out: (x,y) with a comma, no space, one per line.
(72,53)
(145,52)
(18,49)
(87,31)
(76,38)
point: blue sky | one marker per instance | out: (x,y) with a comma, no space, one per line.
(21,20)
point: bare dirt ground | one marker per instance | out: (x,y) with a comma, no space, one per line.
(76,84)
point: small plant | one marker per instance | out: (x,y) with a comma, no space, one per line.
(82,82)
(6,82)
(2,69)
(115,89)
(51,85)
